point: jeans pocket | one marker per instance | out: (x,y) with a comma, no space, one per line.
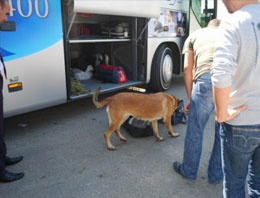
(203,88)
(246,139)
(202,95)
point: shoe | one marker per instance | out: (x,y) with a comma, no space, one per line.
(9,177)
(177,167)
(11,161)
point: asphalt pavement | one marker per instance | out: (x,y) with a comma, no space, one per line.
(65,156)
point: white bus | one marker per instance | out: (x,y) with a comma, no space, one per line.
(55,41)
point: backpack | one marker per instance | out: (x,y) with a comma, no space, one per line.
(179,116)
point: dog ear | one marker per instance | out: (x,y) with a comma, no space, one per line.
(177,102)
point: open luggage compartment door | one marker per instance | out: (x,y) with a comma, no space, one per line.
(134,8)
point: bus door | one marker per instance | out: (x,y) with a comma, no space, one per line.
(201,13)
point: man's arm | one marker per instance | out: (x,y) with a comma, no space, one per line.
(188,68)
(224,69)
(223,112)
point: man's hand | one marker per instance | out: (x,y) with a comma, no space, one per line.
(223,112)
(186,107)
(230,114)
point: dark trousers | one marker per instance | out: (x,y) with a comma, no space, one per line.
(2,143)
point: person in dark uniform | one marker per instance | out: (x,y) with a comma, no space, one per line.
(5,176)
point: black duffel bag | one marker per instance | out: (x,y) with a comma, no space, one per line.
(140,128)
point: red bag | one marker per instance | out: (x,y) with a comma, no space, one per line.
(114,74)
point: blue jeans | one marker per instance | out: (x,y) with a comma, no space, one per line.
(201,106)
(241,160)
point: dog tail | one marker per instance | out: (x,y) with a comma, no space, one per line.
(95,99)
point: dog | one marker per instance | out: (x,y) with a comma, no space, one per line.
(149,107)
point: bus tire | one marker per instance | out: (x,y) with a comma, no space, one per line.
(162,69)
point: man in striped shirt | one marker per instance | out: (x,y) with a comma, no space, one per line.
(198,56)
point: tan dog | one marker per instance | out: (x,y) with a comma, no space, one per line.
(152,107)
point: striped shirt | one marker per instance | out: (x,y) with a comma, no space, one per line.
(202,44)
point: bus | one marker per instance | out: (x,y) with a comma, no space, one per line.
(53,49)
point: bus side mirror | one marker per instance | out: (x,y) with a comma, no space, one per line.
(8,26)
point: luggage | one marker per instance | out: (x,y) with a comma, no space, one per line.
(140,128)
(109,73)
(179,115)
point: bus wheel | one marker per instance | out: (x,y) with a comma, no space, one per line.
(162,69)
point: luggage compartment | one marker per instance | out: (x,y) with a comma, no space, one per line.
(94,39)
